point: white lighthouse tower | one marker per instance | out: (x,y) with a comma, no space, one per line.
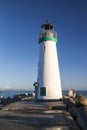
(48,85)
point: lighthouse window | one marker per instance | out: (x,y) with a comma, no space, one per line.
(44,48)
(43,91)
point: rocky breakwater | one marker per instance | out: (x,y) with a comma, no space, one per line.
(16,98)
(77,106)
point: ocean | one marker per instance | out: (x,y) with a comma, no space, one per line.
(11,93)
(80,92)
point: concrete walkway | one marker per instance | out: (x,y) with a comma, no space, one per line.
(30,115)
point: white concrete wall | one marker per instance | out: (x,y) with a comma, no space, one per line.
(48,71)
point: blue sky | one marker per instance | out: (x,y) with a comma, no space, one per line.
(20,22)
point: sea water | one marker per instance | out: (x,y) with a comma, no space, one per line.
(11,93)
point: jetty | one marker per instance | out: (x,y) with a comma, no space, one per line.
(69,113)
(36,116)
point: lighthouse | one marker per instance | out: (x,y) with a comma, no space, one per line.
(48,85)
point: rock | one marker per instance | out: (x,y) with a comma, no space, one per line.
(72,93)
(81,100)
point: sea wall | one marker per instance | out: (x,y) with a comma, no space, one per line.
(77,106)
(16,98)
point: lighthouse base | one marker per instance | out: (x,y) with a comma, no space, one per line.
(48,100)
(45,94)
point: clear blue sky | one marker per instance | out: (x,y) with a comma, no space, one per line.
(20,22)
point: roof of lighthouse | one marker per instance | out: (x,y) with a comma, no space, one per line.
(47,26)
